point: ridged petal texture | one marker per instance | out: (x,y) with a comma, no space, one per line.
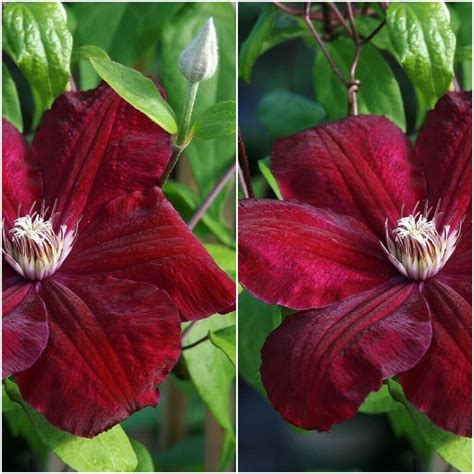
(24,323)
(302,257)
(441,383)
(111,342)
(361,166)
(320,365)
(142,238)
(93,147)
(444,147)
(21,180)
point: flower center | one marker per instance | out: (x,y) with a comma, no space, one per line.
(35,250)
(417,249)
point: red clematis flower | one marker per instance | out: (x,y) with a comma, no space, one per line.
(99,269)
(373,242)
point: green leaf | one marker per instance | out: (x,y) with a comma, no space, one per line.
(137,90)
(216,121)
(379,93)
(185,455)
(265,169)
(132,30)
(83,53)
(36,36)
(463,53)
(21,426)
(379,402)
(425,46)
(109,451)
(365,25)
(210,369)
(224,257)
(11,110)
(256,321)
(254,45)
(227,452)
(464,38)
(455,450)
(224,339)
(403,426)
(185,201)
(284,113)
(209,159)
(145,462)
(281,34)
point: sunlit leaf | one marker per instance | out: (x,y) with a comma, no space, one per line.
(210,369)
(11,110)
(37,38)
(455,450)
(145,462)
(425,45)
(379,402)
(224,339)
(108,452)
(217,121)
(264,166)
(137,90)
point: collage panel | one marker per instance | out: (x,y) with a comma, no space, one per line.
(119,248)
(236,236)
(354,236)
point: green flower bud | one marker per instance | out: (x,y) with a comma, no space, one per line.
(199,59)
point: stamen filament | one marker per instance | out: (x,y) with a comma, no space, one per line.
(418,250)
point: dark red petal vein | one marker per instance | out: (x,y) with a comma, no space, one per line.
(111,341)
(319,366)
(24,324)
(302,257)
(440,384)
(444,147)
(457,273)
(21,179)
(361,166)
(92,147)
(142,238)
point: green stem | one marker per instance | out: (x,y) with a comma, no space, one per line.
(196,343)
(187,113)
(182,140)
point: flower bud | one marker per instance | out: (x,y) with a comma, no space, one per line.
(198,61)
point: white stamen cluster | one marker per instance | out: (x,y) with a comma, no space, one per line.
(35,250)
(418,250)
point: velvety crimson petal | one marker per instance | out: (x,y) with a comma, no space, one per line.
(142,238)
(361,166)
(458,271)
(92,147)
(440,384)
(21,179)
(24,325)
(111,341)
(445,150)
(320,365)
(298,256)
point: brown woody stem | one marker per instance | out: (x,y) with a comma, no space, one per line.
(211,197)
(244,169)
